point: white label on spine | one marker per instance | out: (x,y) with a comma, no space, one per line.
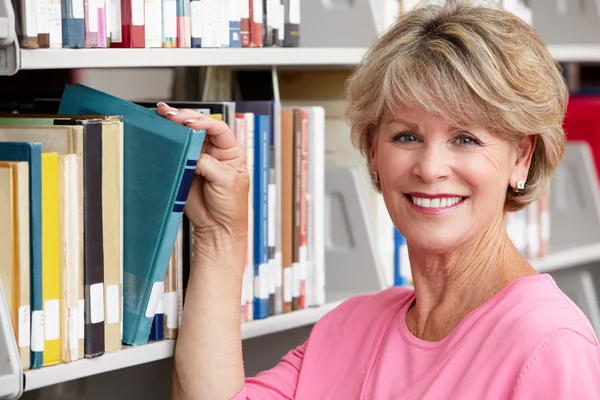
(112,304)
(278,273)
(263,271)
(73,334)
(271,232)
(172,309)
(257,11)
(43,17)
(281,22)
(287,285)
(52,322)
(78,9)
(137,12)
(303,255)
(81,313)
(295,279)
(294,11)
(96,303)
(93,15)
(244,8)
(115,31)
(37,330)
(30,18)
(170,18)
(196,18)
(24,326)
(160,306)
(158,289)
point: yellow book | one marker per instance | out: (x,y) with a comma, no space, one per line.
(7,238)
(50,259)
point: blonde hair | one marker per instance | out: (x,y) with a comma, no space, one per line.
(477,67)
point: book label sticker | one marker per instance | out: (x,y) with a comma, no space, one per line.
(137,12)
(112,304)
(52,322)
(96,303)
(172,309)
(37,330)
(24,326)
(158,289)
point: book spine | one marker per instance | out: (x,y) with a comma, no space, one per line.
(184,39)
(303,251)
(278,267)
(245,22)
(261,203)
(296,267)
(169,23)
(256,23)
(73,30)
(35,223)
(93,244)
(292,24)
(234,24)
(196,7)
(140,331)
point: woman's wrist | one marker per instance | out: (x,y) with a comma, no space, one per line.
(220,247)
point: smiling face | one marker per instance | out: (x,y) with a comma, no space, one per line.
(444,186)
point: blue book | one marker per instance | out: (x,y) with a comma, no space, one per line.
(400,260)
(73,32)
(261,204)
(160,158)
(32,153)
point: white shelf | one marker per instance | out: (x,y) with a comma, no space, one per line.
(131,58)
(130,356)
(575,53)
(126,58)
(568,258)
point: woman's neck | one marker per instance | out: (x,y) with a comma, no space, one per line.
(449,286)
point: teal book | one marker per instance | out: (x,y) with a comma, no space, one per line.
(159,162)
(32,153)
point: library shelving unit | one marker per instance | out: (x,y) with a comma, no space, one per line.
(351,269)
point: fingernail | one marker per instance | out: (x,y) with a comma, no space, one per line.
(189,121)
(172,113)
(161,103)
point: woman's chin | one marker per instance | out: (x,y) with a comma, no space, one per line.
(433,243)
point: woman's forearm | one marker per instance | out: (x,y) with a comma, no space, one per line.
(208,354)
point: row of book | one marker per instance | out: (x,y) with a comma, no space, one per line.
(157,23)
(528,229)
(96,250)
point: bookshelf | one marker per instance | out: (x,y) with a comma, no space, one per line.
(292,57)
(130,356)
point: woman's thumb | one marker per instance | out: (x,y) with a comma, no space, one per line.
(211,169)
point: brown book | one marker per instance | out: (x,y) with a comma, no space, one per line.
(287,203)
(256,23)
(245,24)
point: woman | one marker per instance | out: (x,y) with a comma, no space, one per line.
(458,111)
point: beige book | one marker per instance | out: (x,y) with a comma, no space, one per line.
(112,226)
(171,302)
(70,243)
(62,139)
(14,251)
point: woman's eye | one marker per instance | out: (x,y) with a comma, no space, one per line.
(465,140)
(405,138)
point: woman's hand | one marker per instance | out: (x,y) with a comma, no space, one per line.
(217,204)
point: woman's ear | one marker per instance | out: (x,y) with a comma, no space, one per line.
(373,146)
(525,148)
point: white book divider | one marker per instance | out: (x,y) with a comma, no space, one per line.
(11,373)
(352,260)
(575,200)
(9,43)
(339,23)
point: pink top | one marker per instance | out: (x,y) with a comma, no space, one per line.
(528,342)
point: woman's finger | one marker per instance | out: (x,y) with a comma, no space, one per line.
(217,131)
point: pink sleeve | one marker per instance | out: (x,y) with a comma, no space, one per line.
(565,366)
(278,382)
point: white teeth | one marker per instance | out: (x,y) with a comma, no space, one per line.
(438,202)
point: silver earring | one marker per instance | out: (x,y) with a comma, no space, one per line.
(375,177)
(520,186)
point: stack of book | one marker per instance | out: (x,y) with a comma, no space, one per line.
(95,248)
(158,23)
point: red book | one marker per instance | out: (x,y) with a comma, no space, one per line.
(256,23)
(133,33)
